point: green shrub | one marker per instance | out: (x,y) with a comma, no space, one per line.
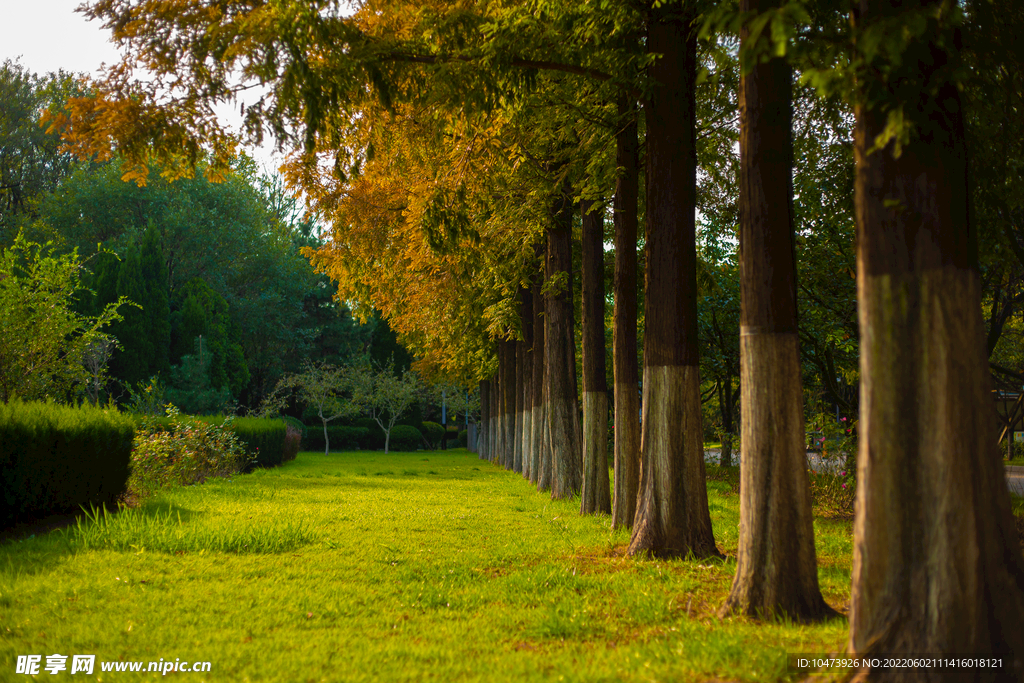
(342,438)
(263,437)
(464,438)
(405,438)
(55,458)
(433,433)
(188,451)
(294,422)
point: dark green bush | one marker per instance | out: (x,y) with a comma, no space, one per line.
(263,437)
(433,433)
(55,458)
(295,422)
(342,438)
(464,438)
(404,438)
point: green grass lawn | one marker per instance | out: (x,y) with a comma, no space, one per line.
(408,566)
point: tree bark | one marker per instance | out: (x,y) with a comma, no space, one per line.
(776,567)
(672,516)
(517,434)
(564,438)
(937,565)
(624,343)
(540,471)
(485,419)
(526,389)
(495,429)
(595,495)
(726,401)
(499,441)
(508,399)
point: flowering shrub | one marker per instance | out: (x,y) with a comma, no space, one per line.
(187,451)
(834,493)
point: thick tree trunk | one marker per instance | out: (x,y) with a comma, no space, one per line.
(508,399)
(776,567)
(526,390)
(595,496)
(624,342)
(485,419)
(937,566)
(564,439)
(672,516)
(539,459)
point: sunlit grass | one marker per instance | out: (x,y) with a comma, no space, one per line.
(361,566)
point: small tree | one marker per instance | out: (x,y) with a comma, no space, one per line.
(45,342)
(321,385)
(382,393)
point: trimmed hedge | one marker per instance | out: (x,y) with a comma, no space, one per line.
(433,433)
(403,438)
(342,438)
(56,458)
(266,437)
(464,438)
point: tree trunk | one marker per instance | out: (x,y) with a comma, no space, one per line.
(494,431)
(485,418)
(526,393)
(937,565)
(726,400)
(499,440)
(776,567)
(517,434)
(539,459)
(624,349)
(327,440)
(509,398)
(595,495)
(672,516)
(564,439)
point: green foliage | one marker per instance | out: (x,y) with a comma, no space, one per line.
(182,450)
(32,161)
(191,388)
(464,438)
(45,343)
(55,458)
(144,334)
(433,433)
(203,313)
(405,438)
(266,438)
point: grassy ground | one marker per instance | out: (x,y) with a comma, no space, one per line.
(410,566)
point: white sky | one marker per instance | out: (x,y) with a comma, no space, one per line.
(49,35)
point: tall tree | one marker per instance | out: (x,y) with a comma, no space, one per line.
(624,345)
(594,496)
(564,438)
(937,565)
(672,516)
(776,566)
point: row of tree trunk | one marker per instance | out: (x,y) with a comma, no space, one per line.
(937,565)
